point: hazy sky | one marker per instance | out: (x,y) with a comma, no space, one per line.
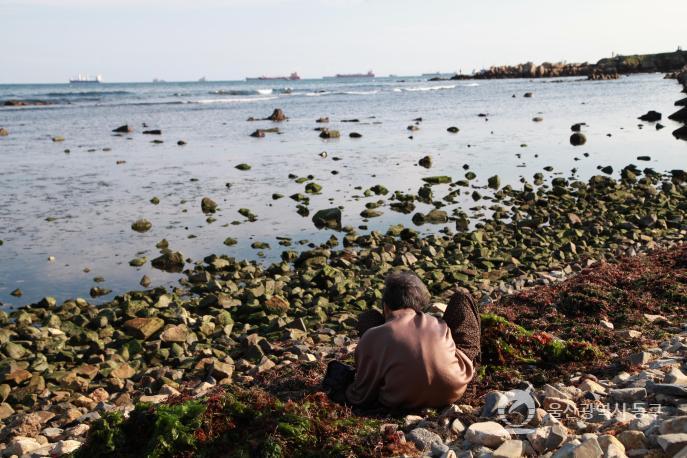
(138,40)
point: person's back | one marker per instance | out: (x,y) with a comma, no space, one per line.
(410,361)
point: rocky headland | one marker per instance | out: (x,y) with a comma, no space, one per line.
(608,68)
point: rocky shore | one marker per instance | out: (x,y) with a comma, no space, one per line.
(608,68)
(232,322)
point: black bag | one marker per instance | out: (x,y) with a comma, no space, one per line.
(337,379)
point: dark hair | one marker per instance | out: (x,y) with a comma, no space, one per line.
(405,290)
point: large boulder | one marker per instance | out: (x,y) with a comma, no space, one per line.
(329,217)
(169,261)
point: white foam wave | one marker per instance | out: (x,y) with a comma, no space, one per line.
(424,88)
(235,100)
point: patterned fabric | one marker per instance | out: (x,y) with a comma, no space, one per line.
(462,318)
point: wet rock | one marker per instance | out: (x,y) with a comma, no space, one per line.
(328,134)
(181,143)
(141,225)
(680,115)
(153,132)
(578,139)
(243,167)
(494,182)
(208,205)
(425,162)
(277,115)
(16,293)
(58,138)
(259,133)
(537,119)
(681,133)
(125,129)
(145,281)
(169,261)
(453,130)
(651,116)
(329,217)
(527,94)
(355,135)
(138,262)
(437,180)
(98,292)
(313,188)
(322,120)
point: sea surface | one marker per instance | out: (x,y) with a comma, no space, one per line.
(66,208)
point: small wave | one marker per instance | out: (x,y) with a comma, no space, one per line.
(471,85)
(85,93)
(360,92)
(235,100)
(424,88)
(242,92)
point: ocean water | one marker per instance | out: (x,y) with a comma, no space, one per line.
(78,206)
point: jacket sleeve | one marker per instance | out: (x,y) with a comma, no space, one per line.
(368,375)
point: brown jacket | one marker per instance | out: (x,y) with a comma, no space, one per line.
(410,361)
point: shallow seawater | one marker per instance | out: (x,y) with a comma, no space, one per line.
(79,206)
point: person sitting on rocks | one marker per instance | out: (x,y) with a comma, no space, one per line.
(408,359)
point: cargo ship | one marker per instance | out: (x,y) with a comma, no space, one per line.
(81,79)
(292,77)
(369,74)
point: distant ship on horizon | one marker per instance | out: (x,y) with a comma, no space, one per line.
(292,77)
(369,74)
(79,79)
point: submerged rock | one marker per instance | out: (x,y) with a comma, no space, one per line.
(125,129)
(327,134)
(141,225)
(425,162)
(651,116)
